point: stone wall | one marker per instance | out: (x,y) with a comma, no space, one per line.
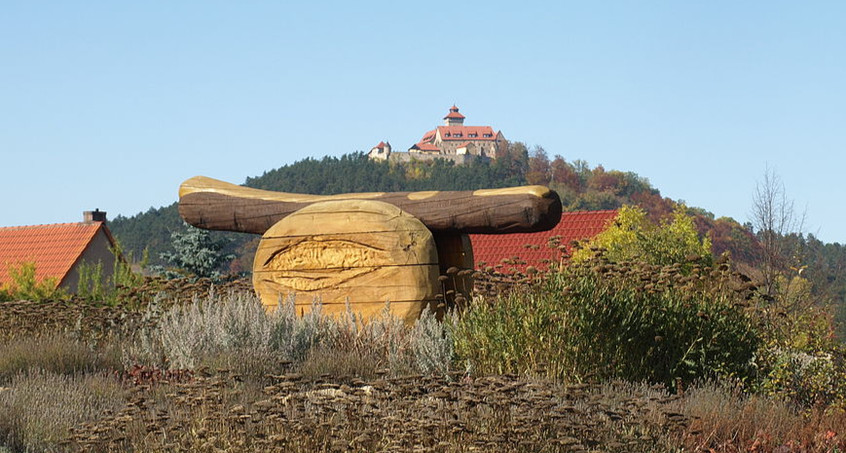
(462,159)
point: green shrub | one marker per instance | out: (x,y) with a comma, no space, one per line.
(515,334)
(26,286)
(806,380)
(633,321)
(96,287)
(800,360)
(633,237)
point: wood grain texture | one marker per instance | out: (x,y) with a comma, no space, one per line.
(357,252)
(217,205)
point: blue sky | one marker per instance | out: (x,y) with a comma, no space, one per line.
(112,105)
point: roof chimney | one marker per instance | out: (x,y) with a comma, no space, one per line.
(94,216)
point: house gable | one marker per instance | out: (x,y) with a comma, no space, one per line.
(98,250)
(57,250)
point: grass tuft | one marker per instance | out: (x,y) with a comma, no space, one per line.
(39,408)
(58,354)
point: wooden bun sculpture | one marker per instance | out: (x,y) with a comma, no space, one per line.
(364,249)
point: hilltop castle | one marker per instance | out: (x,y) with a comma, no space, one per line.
(453,141)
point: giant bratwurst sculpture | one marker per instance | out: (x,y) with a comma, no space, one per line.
(363,248)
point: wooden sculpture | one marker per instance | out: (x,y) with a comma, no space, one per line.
(364,249)
(217,205)
(356,252)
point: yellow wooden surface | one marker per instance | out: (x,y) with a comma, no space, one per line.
(360,252)
(206,184)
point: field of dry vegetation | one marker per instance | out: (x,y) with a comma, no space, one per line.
(601,357)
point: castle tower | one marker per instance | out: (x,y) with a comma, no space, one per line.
(454,118)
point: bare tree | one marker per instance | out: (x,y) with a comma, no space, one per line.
(778,227)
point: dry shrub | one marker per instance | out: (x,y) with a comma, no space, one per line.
(432,344)
(325,361)
(39,408)
(58,354)
(725,419)
(234,331)
(230,331)
(210,327)
(356,348)
(91,321)
(407,413)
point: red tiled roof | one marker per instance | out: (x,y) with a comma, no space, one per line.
(452,132)
(428,136)
(423,146)
(453,113)
(455,133)
(380,145)
(533,247)
(54,248)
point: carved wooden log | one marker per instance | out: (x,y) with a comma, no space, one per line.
(217,205)
(360,252)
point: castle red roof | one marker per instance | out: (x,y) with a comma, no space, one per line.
(455,133)
(465,132)
(425,146)
(453,113)
(380,145)
(533,248)
(428,136)
(53,248)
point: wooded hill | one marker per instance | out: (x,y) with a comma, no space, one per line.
(580,187)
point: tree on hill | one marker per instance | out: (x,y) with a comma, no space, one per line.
(778,227)
(580,186)
(149,231)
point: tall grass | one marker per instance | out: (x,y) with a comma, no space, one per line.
(631,321)
(60,353)
(39,408)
